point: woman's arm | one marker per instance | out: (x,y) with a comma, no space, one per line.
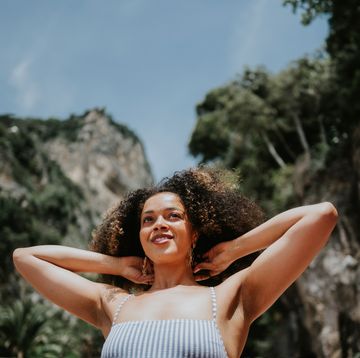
(292,239)
(50,269)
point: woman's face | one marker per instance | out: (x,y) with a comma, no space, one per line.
(166,234)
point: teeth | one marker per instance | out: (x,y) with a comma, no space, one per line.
(161,239)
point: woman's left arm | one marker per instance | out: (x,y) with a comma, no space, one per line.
(292,239)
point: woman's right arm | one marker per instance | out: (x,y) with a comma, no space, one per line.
(50,269)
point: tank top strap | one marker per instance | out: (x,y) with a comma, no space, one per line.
(121,303)
(213,303)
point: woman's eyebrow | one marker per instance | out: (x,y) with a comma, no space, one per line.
(167,209)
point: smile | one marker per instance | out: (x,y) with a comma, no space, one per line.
(161,239)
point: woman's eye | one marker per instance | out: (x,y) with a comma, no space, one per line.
(147,219)
(175,215)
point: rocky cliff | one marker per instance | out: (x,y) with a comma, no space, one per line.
(322,309)
(57,178)
(103,160)
(83,164)
(330,288)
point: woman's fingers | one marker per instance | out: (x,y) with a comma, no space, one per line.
(204,266)
(208,255)
(205,276)
(201,277)
(146,279)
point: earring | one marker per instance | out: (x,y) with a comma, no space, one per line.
(144,266)
(191,256)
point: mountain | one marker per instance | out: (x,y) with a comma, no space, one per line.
(58,177)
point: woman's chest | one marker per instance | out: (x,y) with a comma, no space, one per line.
(163,306)
(190,303)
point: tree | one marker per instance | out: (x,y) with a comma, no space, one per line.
(32,328)
(264,123)
(22,324)
(343,46)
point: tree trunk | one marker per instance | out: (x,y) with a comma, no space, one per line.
(322,131)
(301,133)
(284,143)
(273,151)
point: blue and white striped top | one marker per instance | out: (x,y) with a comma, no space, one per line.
(173,338)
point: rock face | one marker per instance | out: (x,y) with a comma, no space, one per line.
(57,178)
(66,174)
(103,161)
(330,289)
(320,313)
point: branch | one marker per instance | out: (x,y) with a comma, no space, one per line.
(273,151)
(301,133)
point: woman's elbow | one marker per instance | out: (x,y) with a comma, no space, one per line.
(20,254)
(328,217)
(328,211)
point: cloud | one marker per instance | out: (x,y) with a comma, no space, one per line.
(247,35)
(27,92)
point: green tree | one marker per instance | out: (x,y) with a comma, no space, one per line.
(22,324)
(270,124)
(278,131)
(343,46)
(31,328)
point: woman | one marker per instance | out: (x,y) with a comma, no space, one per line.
(192,228)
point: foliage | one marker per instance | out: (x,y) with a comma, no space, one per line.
(44,331)
(311,8)
(280,130)
(343,46)
(269,124)
(44,200)
(124,130)
(39,205)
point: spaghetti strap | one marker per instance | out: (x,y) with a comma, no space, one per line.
(164,338)
(213,303)
(119,307)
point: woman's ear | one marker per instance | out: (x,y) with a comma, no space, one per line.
(194,239)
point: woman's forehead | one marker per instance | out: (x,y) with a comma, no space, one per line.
(162,201)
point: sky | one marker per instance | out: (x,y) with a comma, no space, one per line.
(147,62)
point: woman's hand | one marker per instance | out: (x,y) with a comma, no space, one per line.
(216,260)
(131,267)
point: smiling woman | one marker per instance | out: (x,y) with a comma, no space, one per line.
(194,229)
(166,234)
(208,199)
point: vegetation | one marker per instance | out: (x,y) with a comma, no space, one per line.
(38,209)
(281,130)
(269,124)
(41,206)
(44,331)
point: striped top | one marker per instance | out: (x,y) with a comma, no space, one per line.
(173,338)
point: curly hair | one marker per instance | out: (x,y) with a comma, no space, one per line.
(215,207)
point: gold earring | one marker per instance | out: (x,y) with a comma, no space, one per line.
(144,266)
(191,256)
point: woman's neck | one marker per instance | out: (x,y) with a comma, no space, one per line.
(170,275)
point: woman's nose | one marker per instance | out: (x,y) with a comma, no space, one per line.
(160,223)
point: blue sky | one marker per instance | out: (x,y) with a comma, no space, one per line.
(148,62)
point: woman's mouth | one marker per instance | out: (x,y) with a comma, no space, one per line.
(161,239)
